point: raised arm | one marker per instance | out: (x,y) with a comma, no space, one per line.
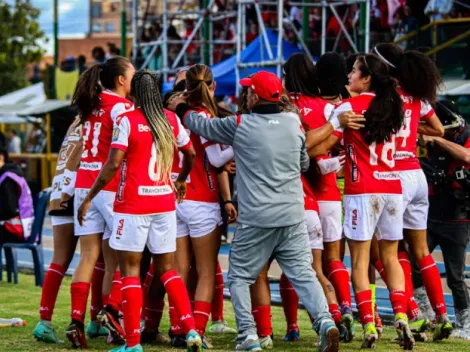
(220,130)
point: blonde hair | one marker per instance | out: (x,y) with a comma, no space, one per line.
(144,87)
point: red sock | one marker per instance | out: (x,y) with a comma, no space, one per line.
(364,305)
(131,306)
(79,292)
(115,296)
(433,284)
(380,268)
(179,299)
(262,316)
(50,289)
(339,277)
(96,290)
(335,312)
(152,314)
(413,309)
(145,288)
(399,301)
(290,302)
(217,312)
(175,326)
(201,315)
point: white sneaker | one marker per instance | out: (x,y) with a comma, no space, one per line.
(251,343)
(462,322)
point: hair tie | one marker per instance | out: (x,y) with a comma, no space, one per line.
(383,58)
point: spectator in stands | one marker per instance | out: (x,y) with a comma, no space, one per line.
(252,33)
(113,50)
(16,203)
(3,140)
(98,54)
(81,60)
(14,146)
(36,140)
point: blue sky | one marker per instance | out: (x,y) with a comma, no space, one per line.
(73,17)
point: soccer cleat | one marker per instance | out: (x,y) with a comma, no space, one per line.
(76,335)
(407,341)
(109,318)
(45,332)
(266,343)
(442,329)
(348,321)
(329,337)
(95,329)
(378,322)
(124,348)
(419,326)
(343,332)
(153,337)
(292,336)
(193,342)
(251,343)
(206,343)
(178,341)
(370,336)
(221,327)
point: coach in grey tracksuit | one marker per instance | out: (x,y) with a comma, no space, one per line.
(270,155)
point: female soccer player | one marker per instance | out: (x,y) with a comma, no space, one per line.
(315,110)
(199,215)
(418,92)
(61,211)
(100,96)
(373,195)
(143,146)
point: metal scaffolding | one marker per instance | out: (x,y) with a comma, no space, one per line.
(206,15)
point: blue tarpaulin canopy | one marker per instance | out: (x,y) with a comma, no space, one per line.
(224,72)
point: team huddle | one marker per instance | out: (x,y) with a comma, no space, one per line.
(138,173)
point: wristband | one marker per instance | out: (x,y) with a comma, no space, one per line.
(335,123)
(227,202)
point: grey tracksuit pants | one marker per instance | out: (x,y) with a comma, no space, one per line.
(251,249)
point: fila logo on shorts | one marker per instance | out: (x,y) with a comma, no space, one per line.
(120,228)
(274,122)
(354,219)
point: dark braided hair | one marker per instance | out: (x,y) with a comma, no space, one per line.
(384,117)
(144,88)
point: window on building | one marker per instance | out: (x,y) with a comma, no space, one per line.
(96,28)
(109,27)
(96,10)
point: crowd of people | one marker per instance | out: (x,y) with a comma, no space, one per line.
(142,184)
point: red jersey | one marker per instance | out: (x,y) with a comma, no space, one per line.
(415,110)
(202,180)
(370,169)
(139,191)
(315,112)
(97,136)
(309,196)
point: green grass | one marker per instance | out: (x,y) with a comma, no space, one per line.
(22,301)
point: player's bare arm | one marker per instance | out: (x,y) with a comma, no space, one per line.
(105,176)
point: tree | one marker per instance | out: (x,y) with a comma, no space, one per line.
(19,43)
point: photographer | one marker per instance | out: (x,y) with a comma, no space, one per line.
(447,169)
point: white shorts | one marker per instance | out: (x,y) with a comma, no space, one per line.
(61,220)
(330,217)
(133,232)
(99,218)
(197,219)
(314,229)
(415,199)
(381,214)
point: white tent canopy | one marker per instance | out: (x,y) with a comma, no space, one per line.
(456,87)
(28,101)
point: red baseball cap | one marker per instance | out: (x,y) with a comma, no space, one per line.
(266,85)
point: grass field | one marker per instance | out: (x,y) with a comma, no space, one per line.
(22,301)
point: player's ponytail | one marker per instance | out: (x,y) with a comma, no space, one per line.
(199,82)
(416,73)
(384,116)
(144,88)
(93,81)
